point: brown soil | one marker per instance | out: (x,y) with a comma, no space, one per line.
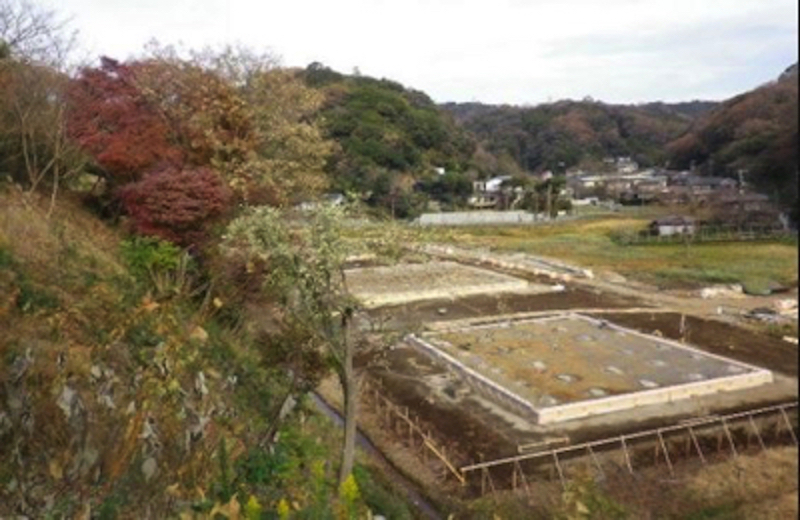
(718,338)
(472,433)
(463,433)
(411,315)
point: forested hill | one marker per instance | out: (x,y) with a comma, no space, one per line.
(387,134)
(755,132)
(570,133)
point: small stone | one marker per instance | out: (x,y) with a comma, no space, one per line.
(199,334)
(96,372)
(647,383)
(441,311)
(56,471)
(200,384)
(149,468)
(65,400)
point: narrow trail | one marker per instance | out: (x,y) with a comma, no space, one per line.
(408,488)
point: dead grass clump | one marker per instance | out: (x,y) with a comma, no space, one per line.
(750,480)
(41,242)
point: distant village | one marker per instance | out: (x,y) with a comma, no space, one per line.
(721,202)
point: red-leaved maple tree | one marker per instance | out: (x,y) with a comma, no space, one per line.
(112,120)
(175,204)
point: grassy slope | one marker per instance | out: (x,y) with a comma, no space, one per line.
(89,357)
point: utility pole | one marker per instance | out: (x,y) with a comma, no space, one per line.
(740,172)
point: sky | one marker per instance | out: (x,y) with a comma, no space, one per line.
(521,52)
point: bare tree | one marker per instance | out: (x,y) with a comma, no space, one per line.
(34,34)
(33,61)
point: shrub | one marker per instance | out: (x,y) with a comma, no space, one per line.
(174,204)
(145,255)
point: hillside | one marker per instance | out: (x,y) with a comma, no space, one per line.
(130,388)
(569,133)
(389,136)
(755,133)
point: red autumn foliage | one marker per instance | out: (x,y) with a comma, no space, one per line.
(178,205)
(112,120)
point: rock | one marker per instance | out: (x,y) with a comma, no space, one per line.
(149,468)
(200,384)
(722,291)
(66,400)
(612,277)
(786,305)
(199,334)
(441,311)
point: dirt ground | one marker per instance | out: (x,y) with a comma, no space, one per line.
(412,316)
(718,338)
(474,429)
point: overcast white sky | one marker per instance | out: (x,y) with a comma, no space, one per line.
(493,51)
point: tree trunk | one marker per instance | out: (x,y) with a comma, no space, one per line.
(347,378)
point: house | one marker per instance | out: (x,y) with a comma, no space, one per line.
(703,185)
(626,165)
(672,225)
(488,193)
(746,210)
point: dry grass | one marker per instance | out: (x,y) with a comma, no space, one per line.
(40,242)
(589,243)
(757,486)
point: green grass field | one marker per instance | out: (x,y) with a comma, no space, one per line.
(588,243)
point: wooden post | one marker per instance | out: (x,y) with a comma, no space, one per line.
(596,461)
(789,425)
(686,447)
(697,446)
(627,455)
(730,438)
(666,453)
(523,478)
(514,477)
(560,471)
(758,434)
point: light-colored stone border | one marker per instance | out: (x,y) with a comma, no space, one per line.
(503,283)
(754,376)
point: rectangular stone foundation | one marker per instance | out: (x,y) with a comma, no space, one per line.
(404,283)
(666,383)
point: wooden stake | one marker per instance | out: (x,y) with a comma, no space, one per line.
(789,425)
(560,471)
(627,455)
(666,453)
(596,461)
(697,446)
(730,439)
(758,434)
